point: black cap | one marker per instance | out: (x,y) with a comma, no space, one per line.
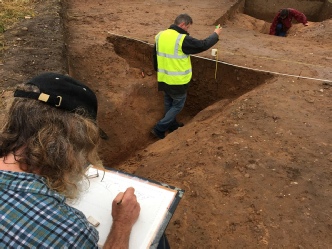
(63,92)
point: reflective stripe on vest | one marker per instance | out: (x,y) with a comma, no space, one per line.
(174,66)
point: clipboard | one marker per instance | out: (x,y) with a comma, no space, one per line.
(158,203)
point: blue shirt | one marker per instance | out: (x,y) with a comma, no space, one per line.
(34,216)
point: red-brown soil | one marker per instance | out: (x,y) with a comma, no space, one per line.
(255,154)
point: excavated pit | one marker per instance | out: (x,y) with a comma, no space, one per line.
(263,12)
(130,105)
(212,80)
(315,10)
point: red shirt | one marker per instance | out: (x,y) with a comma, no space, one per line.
(287,22)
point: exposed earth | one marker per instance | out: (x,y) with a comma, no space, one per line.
(255,154)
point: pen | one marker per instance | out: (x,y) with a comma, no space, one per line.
(119,202)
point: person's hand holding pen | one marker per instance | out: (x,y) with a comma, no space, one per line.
(218,29)
(125,208)
(125,212)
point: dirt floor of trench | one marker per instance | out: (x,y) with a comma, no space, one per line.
(254,156)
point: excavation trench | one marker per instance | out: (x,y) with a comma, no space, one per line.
(212,80)
(142,105)
(242,163)
(265,10)
(130,104)
(315,10)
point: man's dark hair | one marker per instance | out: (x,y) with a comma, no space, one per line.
(284,13)
(183,18)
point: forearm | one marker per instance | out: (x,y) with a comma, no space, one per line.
(299,16)
(118,238)
(194,46)
(125,212)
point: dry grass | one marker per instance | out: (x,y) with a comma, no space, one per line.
(11,11)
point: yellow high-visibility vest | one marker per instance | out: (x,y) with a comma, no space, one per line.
(174,66)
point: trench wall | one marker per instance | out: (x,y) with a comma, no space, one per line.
(326,12)
(212,82)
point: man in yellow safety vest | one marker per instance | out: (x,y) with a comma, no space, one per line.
(173,47)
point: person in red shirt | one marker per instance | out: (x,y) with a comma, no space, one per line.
(283,21)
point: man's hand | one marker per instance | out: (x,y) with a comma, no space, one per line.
(218,29)
(125,208)
(125,212)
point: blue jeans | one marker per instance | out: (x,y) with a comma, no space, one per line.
(279,30)
(173,106)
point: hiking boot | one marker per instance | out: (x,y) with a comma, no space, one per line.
(180,124)
(157,134)
(175,126)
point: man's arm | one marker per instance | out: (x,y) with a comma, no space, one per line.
(125,212)
(298,16)
(194,46)
(274,25)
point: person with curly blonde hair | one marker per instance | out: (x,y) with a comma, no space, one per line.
(49,137)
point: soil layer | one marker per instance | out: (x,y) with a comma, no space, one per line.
(254,156)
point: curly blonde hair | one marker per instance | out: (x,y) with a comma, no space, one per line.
(53,142)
